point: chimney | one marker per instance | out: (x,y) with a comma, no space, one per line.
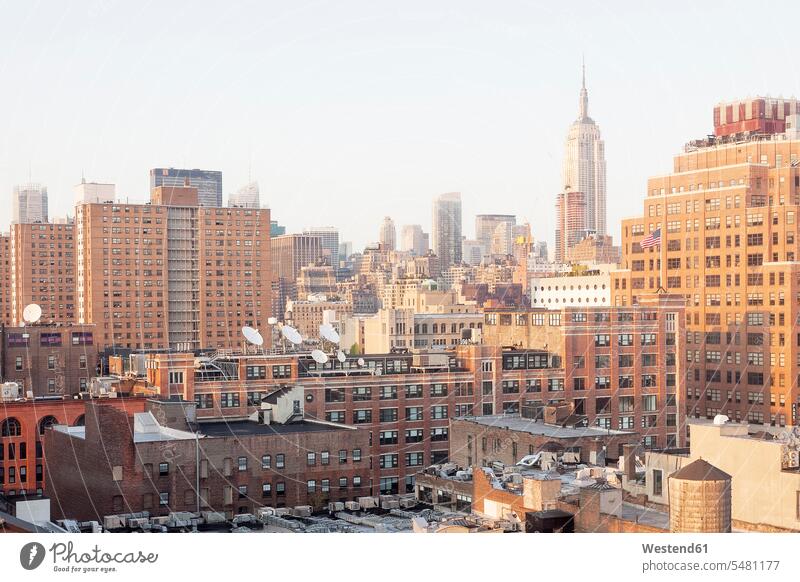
(629,461)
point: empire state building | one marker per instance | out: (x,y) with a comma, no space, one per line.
(584,167)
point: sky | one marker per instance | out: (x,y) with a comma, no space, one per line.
(346,112)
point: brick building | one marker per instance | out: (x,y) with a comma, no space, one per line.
(727,217)
(153,461)
(185,277)
(43,263)
(23,424)
(621,364)
(5,279)
(404,400)
(49,359)
(482,440)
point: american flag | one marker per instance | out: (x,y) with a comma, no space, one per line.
(653,240)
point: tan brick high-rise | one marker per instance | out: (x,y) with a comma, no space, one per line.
(728,217)
(42,270)
(182,276)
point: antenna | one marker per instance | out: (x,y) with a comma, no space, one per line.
(291,334)
(253,336)
(327,331)
(32,313)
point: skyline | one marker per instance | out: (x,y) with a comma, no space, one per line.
(441,101)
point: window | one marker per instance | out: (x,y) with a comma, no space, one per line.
(414,413)
(356,455)
(242,489)
(388,437)
(363,416)
(163,469)
(388,414)
(311,459)
(280,488)
(439,412)
(389,461)
(229,399)
(280,461)
(311,486)
(342,456)
(414,435)
(266,489)
(414,391)
(163,499)
(414,459)
(325,458)
(266,461)
(388,392)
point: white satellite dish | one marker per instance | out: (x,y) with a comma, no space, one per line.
(340,356)
(360,362)
(252,336)
(319,356)
(378,372)
(32,313)
(291,334)
(272,320)
(328,332)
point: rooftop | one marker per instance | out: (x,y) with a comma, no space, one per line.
(534,427)
(251,428)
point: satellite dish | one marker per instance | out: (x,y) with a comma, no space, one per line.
(272,320)
(378,372)
(252,335)
(327,331)
(319,356)
(291,334)
(32,313)
(361,362)
(340,356)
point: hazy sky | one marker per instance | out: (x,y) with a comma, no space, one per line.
(349,111)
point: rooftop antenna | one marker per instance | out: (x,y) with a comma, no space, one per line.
(291,334)
(32,313)
(253,336)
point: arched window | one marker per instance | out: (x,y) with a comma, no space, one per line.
(47,422)
(80,421)
(10,428)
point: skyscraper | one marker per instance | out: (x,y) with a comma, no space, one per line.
(329,238)
(29,203)
(486,226)
(207,182)
(726,225)
(414,240)
(246,197)
(447,229)
(94,192)
(388,234)
(571,209)
(584,167)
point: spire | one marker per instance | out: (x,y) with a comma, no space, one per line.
(584,100)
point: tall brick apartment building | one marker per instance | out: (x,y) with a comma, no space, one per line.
(728,216)
(172,273)
(42,271)
(621,365)
(5,278)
